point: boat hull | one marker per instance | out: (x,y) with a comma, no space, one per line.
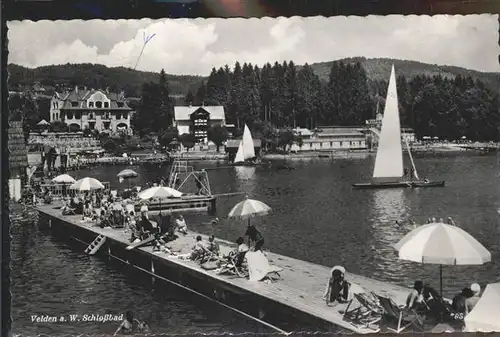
(400,184)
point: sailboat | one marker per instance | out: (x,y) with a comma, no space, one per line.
(388,171)
(246,150)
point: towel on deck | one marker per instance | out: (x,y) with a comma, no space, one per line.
(258,266)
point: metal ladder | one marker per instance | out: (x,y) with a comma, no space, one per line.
(95,245)
(177,166)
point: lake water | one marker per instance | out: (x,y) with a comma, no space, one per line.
(316,216)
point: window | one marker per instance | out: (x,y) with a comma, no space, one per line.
(120,104)
(69,115)
(74,104)
(91,104)
(98,104)
(341,143)
(78,115)
(106,104)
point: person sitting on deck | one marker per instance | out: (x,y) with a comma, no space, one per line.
(241,251)
(459,300)
(213,246)
(471,302)
(337,288)
(415,299)
(254,236)
(180,224)
(197,250)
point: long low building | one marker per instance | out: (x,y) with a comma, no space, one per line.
(330,138)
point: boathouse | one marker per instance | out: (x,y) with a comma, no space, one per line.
(92,109)
(18,159)
(196,120)
(329,138)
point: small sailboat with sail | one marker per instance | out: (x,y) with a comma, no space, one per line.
(388,171)
(246,150)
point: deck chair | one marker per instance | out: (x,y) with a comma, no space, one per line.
(259,267)
(368,313)
(404,318)
(229,265)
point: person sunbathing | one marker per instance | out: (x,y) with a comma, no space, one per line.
(337,288)
(213,246)
(471,302)
(197,251)
(415,299)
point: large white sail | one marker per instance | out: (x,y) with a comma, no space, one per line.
(248,145)
(239,155)
(389,160)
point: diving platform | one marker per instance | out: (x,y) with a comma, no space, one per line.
(292,303)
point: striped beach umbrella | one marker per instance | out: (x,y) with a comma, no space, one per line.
(87,184)
(248,209)
(443,244)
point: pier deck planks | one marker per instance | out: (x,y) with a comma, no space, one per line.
(301,286)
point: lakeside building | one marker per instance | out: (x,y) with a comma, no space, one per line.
(196,120)
(84,108)
(63,147)
(329,138)
(408,134)
(232,146)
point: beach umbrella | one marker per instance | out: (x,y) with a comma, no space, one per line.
(64,179)
(484,316)
(443,244)
(87,184)
(160,192)
(128,173)
(248,209)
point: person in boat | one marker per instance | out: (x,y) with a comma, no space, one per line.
(129,324)
(337,288)
(471,302)
(415,299)
(405,173)
(450,221)
(254,236)
(180,224)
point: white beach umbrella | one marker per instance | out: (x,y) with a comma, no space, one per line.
(87,184)
(64,179)
(443,244)
(485,315)
(160,192)
(248,209)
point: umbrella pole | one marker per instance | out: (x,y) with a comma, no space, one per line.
(441,279)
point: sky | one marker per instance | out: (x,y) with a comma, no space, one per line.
(194,46)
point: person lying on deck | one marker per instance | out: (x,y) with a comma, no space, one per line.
(337,288)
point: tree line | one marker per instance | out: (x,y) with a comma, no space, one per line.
(285,95)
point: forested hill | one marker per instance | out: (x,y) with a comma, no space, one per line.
(379,69)
(96,76)
(129,80)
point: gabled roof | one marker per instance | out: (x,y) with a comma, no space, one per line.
(80,96)
(183,113)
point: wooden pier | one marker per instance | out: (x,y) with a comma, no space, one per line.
(296,298)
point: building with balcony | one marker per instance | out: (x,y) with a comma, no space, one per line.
(196,120)
(98,110)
